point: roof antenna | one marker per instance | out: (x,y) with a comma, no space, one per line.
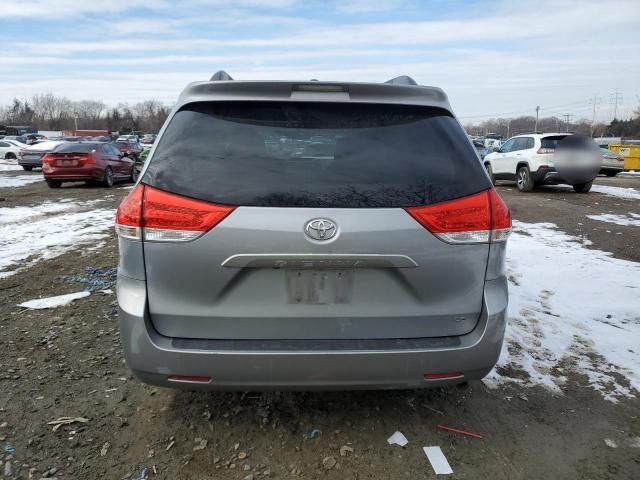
(402,80)
(221,76)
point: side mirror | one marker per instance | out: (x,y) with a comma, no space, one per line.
(496,149)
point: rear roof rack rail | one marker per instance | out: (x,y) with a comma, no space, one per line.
(221,76)
(402,80)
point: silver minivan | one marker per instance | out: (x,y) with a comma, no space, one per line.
(312,235)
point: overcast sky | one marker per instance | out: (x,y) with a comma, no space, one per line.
(493,58)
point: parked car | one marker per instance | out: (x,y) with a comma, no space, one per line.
(127,138)
(612,164)
(130,149)
(87,161)
(244,266)
(532,159)
(148,139)
(9,149)
(17,138)
(30,157)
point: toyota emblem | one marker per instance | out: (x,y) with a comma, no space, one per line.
(320,229)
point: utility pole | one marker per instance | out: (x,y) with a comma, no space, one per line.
(616,98)
(567,119)
(537,112)
(594,102)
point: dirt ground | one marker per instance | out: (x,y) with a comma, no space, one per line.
(67,362)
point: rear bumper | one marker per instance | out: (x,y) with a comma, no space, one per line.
(30,163)
(551,176)
(290,365)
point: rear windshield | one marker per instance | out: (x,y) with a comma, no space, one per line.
(551,142)
(76,148)
(288,154)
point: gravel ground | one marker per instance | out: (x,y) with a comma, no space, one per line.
(67,362)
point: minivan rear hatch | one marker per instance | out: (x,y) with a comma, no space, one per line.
(317,243)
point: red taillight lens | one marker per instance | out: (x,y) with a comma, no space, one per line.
(189,379)
(500,217)
(479,218)
(47,160)
(620,159)
(87,159)
(166,217)
(129,215)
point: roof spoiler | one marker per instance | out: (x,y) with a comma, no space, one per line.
(402,80)
(221,76)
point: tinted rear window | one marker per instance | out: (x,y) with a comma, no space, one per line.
(551,142)
(288,154)
(76,148)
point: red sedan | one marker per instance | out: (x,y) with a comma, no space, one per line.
(93,162)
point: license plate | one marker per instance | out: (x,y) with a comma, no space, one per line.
(68,163)
(319,287)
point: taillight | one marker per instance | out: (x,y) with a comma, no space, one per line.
(479,218)
(620,159)
(87,159)
(129,215)
(47,160)
(544,150)
(500,217)
(20,153)
(165,217)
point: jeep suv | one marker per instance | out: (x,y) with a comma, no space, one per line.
(308,235)
(531,160)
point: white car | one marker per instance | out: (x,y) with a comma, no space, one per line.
(531,159)
(9,149)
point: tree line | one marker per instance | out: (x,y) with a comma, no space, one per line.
(508,127)
(50,112)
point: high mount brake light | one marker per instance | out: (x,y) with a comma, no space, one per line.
(157,216)
(479,218)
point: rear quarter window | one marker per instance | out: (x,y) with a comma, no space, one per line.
(289,154)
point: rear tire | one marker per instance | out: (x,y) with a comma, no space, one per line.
(487,166)
(524,181)
(54,183)
(107,181)
(582,187)
(10,156)
(610,174)
(28,169)
(134,172)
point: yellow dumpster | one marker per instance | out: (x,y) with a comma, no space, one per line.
(631,154)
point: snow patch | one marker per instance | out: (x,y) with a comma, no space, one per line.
(633,219)
(53,302)
(30,234)
(620,192)
(18,180)
(571,309)
(9,165)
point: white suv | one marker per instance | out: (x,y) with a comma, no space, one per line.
(529,160)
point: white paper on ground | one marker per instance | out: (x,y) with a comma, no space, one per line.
(398,439)
(438,460)
(52,302)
